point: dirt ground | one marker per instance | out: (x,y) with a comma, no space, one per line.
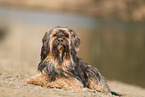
(13,84)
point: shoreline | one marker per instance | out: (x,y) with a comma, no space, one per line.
(118,10)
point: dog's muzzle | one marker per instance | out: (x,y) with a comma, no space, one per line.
(60,46)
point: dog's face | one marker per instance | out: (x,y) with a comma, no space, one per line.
(60,42)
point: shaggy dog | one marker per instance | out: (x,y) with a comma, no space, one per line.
(60,66)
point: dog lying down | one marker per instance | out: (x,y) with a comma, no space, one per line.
(60,66)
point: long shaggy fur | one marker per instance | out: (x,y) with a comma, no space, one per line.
(60,66)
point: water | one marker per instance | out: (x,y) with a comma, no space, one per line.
(45,18)
(117,49)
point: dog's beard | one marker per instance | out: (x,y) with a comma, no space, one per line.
(60,50)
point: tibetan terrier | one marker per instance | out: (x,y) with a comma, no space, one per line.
(60,66)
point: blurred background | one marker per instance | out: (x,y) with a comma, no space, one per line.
(112,34)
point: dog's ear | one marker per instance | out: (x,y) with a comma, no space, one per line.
(45,46)
(77,43)
(76,40)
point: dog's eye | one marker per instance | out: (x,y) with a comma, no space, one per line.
(66,36)
(54,35)
(73,35)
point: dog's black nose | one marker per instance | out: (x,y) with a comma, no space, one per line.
(60,40)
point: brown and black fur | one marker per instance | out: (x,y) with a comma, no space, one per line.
(60,66)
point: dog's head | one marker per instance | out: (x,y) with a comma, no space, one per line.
(60,42)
